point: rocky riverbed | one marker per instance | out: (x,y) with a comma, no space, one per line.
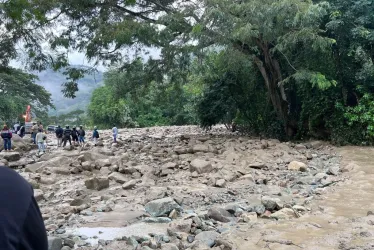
(173,188)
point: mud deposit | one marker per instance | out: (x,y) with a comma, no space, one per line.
(182,188)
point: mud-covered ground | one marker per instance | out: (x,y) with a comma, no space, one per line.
(183,188)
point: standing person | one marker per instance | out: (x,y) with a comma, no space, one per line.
(34,131)
(74,135)
(59,134)
(115,133)
(40,139)
(22,130)
(40,126)
(95,135)
(16,127)
(22,225)
(6,134)
(82,134)
(67,135)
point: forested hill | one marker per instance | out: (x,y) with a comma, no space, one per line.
(52,81)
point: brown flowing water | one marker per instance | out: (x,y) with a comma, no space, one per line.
(338,218)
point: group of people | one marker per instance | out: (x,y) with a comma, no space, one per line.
(69,135)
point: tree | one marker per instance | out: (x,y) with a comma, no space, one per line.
(17,90)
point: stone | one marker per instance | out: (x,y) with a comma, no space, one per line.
(207,237)
(283,214)
(118,177)
(169,165)
(10,156)
(349,167)
(65,248)
(60,231)
(169,246)
(249,217)
(309,156)
(297,166)
(54,243)
(219,214)
(221,183)
(271,204)
(247,177)
(157,220)
(257,165)
(69,242)
(200,166)
(129,184)
(200,148)
(77,202)
(103,163)
(97,183)
(333,170)
(316,144)
(87,165)
(181,226)
(34,168)
(62,171)
(300,147)
(259,209)
(38,195)
(161,207)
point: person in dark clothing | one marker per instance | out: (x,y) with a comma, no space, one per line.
(74,135)
(22,130)
(21,223)
(82,134)
(7,135)
(59,134)
(67,135)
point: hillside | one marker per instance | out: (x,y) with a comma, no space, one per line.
(52,81)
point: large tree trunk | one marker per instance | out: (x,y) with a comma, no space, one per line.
(270,71)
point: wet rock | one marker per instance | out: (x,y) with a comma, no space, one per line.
(118,177)
(207,237)
(129,184)
(97,183)
(259,209)
(297,166)
(38,195)
(271,204)
(200,166)
(54,243)
(283,214)
(10,156)
(349,167)
(161,207)
(219,214)
(190,238)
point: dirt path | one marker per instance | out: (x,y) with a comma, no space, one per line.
(338,219)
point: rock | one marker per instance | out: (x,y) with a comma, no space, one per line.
(309,156)
(38,194)
(118,177)
(97,183)
(219,214)
(283,214)
(10,156)
(333,170)
(349,167)
(300,147)
(200,166)
(87,165)
(221,183)
(247,177)
(259,209)
(169,165)
(129,184)
(190,238)
(299,208)
(161,207)
(181,226)
(249,217)
(207,237)
(103,163)
(78,202)
(271,204)
(316,144)
(257,165)
(157,220)
(65,248)
(62,171)
(54,243)
(200,148)
(173,214)
(69,242)
(169,246)
(297,166)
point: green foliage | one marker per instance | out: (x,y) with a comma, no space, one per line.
(17,90)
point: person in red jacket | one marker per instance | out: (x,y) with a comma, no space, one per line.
(6,134)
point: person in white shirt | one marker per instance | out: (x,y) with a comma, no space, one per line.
(115,133)
(40,140)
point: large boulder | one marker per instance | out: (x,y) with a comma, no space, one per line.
(10,156)
(34,168)
(200,166)
(297,166)
(97,183)
(161,207)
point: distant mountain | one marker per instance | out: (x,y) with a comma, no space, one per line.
(52,81)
